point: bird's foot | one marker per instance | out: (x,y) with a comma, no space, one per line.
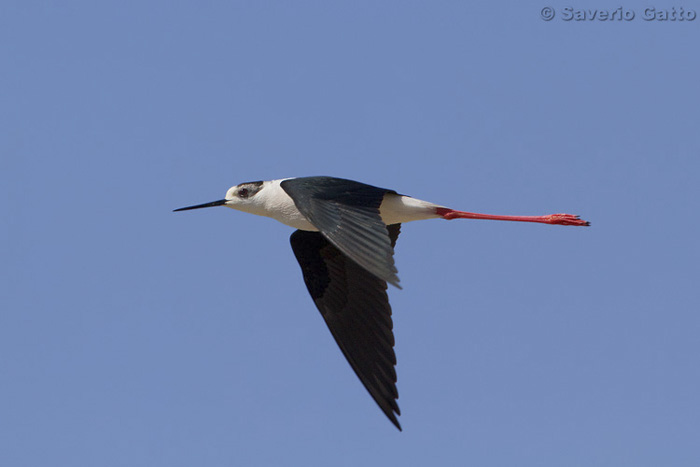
(565,219)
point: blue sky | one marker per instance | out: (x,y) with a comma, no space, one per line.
(130,335)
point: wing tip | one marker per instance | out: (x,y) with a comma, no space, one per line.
(392,418)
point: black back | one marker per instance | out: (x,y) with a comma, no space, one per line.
(347,214)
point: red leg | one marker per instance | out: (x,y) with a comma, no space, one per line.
(557,219)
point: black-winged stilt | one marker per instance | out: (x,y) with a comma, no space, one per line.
(344,242)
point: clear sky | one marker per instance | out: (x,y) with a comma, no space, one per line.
(134,336)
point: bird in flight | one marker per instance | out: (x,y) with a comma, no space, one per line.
(344,243)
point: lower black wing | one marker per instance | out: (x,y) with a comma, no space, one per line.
(355,306)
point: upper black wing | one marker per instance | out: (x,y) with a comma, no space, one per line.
(347,214)
(355,306)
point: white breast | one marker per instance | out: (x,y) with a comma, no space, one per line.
(279,206)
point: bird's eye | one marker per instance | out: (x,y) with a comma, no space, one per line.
(243,193)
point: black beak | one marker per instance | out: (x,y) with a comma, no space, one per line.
(221,202)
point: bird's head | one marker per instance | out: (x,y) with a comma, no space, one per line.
(241,197)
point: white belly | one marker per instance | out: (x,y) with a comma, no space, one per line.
(397,209)
(293,218)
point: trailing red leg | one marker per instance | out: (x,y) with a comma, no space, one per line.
(556,219)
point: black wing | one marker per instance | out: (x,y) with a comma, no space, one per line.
(355,306)
(347,214)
